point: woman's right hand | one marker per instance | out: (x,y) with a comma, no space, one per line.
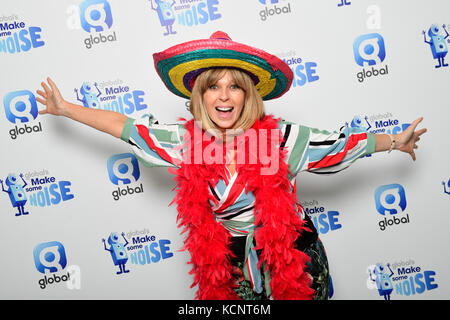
(52,98)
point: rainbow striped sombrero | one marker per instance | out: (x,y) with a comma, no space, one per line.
(178,66)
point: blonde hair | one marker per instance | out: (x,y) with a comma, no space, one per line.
(253,104)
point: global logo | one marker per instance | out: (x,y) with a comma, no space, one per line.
(123,169)
(51,260)
(369,51)
(96,17)
(50,257)
(273,8)
(391,200)
(21,107)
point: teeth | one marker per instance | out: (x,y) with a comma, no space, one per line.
(224,109)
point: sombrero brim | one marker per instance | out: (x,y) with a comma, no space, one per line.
(178,66)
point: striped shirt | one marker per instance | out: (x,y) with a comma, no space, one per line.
(308,149)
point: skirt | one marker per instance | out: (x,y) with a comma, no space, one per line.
(317,268)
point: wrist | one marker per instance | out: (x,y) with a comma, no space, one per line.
(65,109)
(394,142)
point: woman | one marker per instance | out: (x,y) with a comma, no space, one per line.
(235,168)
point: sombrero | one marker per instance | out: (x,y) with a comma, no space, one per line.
(178,66)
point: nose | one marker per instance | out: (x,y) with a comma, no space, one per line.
(224,94)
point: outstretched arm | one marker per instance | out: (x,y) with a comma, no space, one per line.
(106,121)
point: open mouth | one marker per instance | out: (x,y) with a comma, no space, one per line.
(225,109)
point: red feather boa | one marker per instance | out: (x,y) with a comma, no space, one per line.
(278,224)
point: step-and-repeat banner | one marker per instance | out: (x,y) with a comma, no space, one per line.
(81,218)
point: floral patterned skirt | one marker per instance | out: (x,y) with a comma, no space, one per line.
(317,268)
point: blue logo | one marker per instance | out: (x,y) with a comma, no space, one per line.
(50,257)
(185,14)
(437,43)
(118,98)
(123,169)
(390,199)
(16,192)
(139,247)
(117,250)
(304,71)
(404,278)
(16,36)
(95,15)
(20,105)
(369,49)
(324,221)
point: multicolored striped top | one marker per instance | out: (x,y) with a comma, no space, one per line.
(309,149)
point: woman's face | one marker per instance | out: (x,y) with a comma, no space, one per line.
(224,101)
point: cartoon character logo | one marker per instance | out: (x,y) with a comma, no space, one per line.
(166,15)
(117,250)
(382,280)
(89,96)
(16,192)
(437,44)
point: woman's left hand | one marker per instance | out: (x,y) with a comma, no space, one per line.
(407,140)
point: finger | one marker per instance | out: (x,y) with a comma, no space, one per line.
(415,123)
(43,111)
(46,88)
(416,146)
(41,93)
(52,85)
(413,155)
(44,102)
(421,132)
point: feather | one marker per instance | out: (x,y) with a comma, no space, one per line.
(277,221)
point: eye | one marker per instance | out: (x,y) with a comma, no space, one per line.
(212,87)
(235,87)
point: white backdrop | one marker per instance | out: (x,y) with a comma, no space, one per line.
(57,251)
